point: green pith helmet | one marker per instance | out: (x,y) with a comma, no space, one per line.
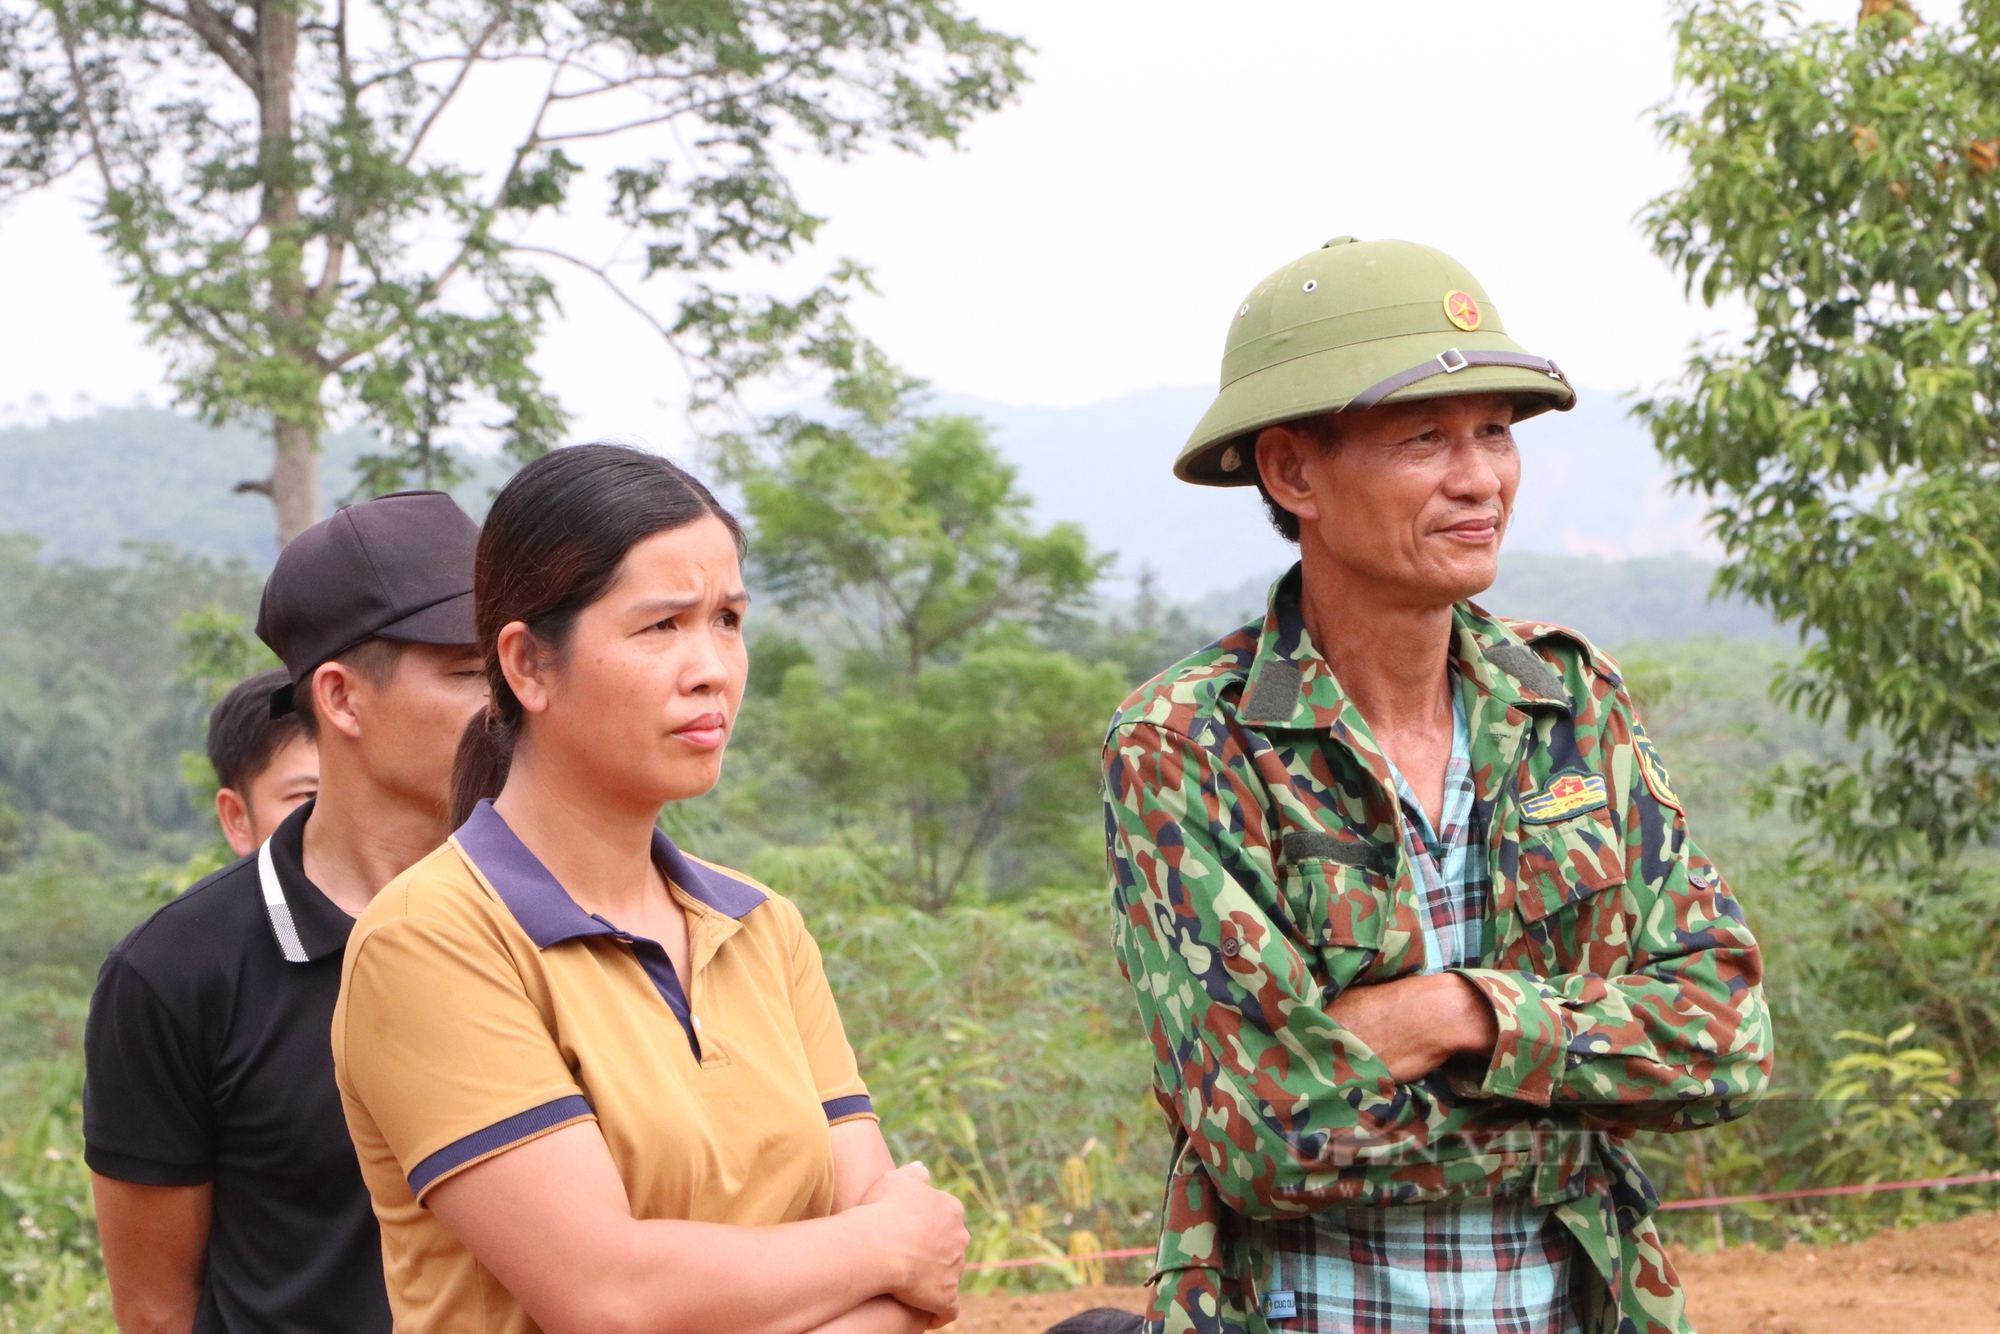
(1353,324)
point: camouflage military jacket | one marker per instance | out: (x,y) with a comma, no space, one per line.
(1258,869)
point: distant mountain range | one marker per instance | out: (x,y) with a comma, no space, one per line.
(1592,493)
(86,485)
(1610,601)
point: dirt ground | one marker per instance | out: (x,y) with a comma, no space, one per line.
(1033,1314)
(1943,1278)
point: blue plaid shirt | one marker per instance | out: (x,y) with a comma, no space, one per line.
(1490,1266)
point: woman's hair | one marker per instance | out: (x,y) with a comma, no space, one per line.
(551,545)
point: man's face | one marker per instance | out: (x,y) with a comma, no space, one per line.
(409,726)
(251,814)
(1413,499)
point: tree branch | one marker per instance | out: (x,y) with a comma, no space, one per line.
(393,72)
(81,87)
(603,275)
(215,32)
(687,101)
(485,217)
(102,158)
(572,136)
(471,58)
(343,211)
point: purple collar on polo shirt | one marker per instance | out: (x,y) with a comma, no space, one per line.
(550,916)
(544,908)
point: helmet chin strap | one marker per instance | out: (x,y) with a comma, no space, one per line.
(1450,362)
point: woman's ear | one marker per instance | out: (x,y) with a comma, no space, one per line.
(522,665)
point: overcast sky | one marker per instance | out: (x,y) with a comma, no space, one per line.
(1094,239)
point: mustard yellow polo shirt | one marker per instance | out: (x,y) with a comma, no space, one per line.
(480,1007)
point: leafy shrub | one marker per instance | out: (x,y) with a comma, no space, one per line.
(51,1274)
(1003,1050)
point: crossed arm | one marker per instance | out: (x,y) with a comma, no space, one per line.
(551,1220)
(1282,1092)
(1416,1024)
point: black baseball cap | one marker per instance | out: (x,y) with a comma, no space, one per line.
(396,567)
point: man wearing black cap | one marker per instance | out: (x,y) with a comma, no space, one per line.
(228,1195)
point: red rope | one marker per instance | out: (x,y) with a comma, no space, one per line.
(1711,1202)
(1977,1179)
(1064,1259)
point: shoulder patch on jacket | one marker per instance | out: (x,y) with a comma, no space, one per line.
(1652,768)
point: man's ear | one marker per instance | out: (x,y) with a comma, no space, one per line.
(232,812)
(521,664)
(335,687)
(1281,461)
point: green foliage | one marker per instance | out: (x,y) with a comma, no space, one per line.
(1846,948)
(51,1274)
(218,650)
(911,530)
(997,745)
(1842,184)
(943,722)
(1001,1049)
(93,717)
(62,907)
(289,226)
(1893,1100)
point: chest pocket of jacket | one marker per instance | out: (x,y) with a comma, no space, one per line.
(1337,901)
(1566,861)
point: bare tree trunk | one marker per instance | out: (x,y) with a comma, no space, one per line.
(294,480)
(294,434)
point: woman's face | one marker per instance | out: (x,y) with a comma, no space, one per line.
(644,699)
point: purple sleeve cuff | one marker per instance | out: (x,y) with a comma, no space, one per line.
(500,1135)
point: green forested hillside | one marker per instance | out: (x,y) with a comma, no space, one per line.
(87,485)
(1611,601)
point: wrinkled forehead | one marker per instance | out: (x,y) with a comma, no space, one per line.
(697,560)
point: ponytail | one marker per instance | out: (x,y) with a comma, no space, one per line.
(479,770)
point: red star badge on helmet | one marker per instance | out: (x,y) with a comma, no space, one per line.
(1462,310)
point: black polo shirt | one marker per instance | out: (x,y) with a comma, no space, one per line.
(210,1060)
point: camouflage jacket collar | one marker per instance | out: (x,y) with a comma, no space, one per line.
(1291,687)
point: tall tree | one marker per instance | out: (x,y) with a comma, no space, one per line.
(1843,184)
(945,719)
(293,189)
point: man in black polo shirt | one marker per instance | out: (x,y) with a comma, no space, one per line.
(228,1195)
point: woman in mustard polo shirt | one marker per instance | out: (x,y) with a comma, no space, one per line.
(597,1084)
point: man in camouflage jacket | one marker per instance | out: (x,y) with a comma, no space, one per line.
(1263,882)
